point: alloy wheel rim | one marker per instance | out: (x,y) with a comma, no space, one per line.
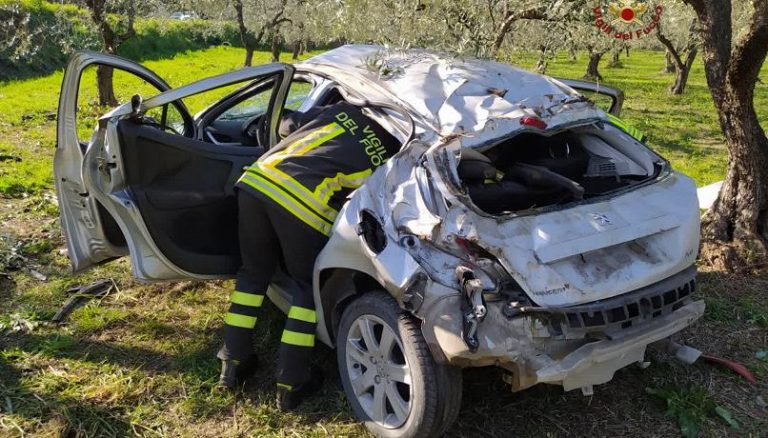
(378,371)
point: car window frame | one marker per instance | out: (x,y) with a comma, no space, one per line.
(236,98)
(284,73)
(211,114)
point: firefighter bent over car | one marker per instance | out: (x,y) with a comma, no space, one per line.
(288,201)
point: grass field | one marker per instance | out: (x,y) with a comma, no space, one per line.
(141,361)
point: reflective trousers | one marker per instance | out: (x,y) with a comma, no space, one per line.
(270,237)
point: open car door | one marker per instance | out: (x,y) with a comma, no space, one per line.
(92,235)
(171,195)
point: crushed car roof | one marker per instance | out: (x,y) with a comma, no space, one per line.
(483,100)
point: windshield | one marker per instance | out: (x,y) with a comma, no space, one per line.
(258,103)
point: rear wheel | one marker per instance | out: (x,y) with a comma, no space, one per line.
(388,373)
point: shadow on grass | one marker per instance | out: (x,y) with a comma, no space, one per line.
(72,417)
(196,368)
(7,288)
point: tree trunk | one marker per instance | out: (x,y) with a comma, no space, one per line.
(111,40)
(615,61)
(248,56)
(276,46)
(735,229)
(593,74)
(105,86)
(682,68)
(104,76)
(736,225)
(681,79)
(572,55)
(541,64)
(296,50)
(670,62)
(250,41)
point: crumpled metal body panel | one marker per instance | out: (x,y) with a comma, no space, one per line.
(593,250)
(563,256)
(478,101)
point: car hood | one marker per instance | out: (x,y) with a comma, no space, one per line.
(479,101)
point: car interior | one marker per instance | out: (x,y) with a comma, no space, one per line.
(184,185)
(531,170)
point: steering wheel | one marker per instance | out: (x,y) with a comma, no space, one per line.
(252,129)
(255,130)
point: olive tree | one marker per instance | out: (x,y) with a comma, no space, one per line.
(257,19)
(114,20)
(678,34)
(481,28)
(737,223)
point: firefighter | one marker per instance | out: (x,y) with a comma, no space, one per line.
(288,201)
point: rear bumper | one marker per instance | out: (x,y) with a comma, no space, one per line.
(596,362)
(527,346)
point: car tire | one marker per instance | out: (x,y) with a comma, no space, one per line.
(389,375)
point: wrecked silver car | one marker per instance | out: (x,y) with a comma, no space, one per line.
(520,225)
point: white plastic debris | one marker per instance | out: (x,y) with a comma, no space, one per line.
(708,194)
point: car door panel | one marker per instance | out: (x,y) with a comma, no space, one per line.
(173,196)
(185,195)
(91,234)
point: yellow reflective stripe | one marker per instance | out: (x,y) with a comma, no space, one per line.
(298,339)
(308,139)
(307,143)
(285,385)
(237,320)
(619,123)
(268,168)
(333,131)
(629,129)
(297,189)
(246,299)
(331,185)
(302,314)
(294,207)
(614,119)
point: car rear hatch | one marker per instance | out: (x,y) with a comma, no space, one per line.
(630,231)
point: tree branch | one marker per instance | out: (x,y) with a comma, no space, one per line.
(716,32)
(130,31)
(670,47)
(751,48)
(509,19)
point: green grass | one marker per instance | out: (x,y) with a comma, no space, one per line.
(50,31)
(28,109)
(682,128)
(142,360)
(690,407)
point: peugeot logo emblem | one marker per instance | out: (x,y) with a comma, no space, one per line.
(601,219)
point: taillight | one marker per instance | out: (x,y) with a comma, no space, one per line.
(534,122)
